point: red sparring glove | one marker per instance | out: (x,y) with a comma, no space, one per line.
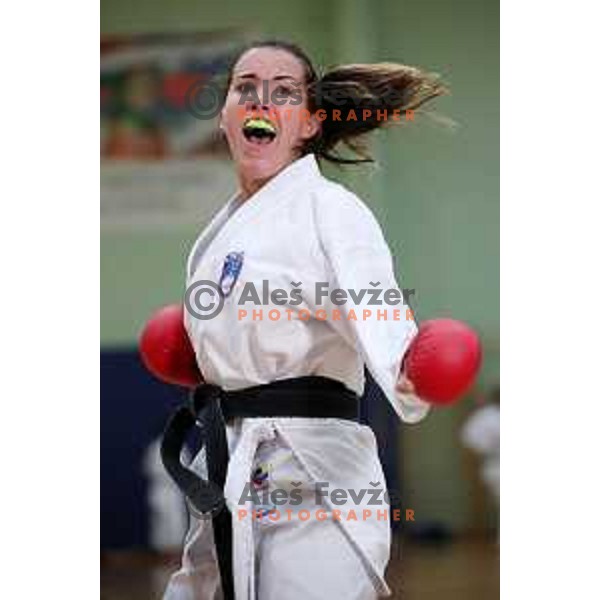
(443,360)
(166,349)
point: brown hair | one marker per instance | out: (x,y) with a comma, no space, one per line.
(356,87)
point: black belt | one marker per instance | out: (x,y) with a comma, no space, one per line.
(212,408)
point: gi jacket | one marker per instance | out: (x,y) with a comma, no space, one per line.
(302,232)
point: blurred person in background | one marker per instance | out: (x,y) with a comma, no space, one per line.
(168,519)
(481,434)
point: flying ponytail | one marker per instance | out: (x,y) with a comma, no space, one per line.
(353,100)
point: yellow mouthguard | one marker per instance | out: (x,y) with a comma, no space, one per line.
(260,124)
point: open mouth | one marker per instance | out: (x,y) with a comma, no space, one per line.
(259,130)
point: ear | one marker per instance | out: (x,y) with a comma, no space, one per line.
(310,127)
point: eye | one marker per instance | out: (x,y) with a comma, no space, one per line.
(283,90)
(245,87)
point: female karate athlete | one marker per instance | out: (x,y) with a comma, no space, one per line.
(288,387)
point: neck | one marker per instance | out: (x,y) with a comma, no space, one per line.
(250,184)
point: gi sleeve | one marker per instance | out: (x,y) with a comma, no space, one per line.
(359,259)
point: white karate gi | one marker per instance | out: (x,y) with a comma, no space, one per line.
(299,227)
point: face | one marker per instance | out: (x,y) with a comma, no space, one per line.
(265,117)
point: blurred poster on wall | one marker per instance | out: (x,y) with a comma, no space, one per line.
(162,161)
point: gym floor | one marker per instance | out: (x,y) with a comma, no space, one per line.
(459,570)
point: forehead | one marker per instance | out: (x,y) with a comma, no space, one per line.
(268,63)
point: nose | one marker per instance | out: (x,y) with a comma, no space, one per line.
(256,106)
(261,109)
(259,98)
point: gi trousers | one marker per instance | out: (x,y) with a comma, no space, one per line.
(300,551)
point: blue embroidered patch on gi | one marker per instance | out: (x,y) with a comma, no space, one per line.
(259,476)
(231,271)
